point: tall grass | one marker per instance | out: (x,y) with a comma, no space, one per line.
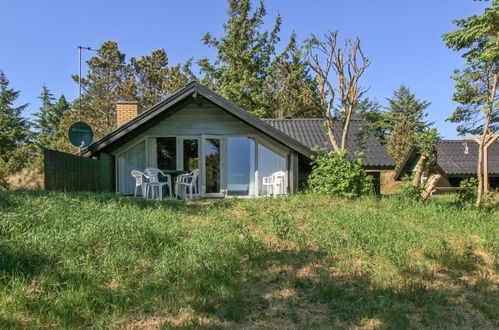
(99,260)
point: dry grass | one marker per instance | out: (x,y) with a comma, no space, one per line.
(26,180)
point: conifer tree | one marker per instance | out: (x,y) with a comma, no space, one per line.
(56,114)
(405,117)
(108,80)
(290,90)
(156,80)
(43,122)
(244,57)
(375,120)
(403,103)
(14,129)
(401,140)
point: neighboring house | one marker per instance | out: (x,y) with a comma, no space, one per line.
(197,129)
(456,160)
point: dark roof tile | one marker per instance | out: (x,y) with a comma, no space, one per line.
(312,132)
(459,157)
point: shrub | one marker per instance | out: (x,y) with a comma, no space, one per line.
(467,197)
(408,191)
(16,161)
(334,174)
(491,200)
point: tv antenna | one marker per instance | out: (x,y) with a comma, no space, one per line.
(80,48)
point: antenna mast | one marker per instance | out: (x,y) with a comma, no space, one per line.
(80,48)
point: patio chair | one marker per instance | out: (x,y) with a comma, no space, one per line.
(188,181)
(139,182)
(274,184)
(154,184)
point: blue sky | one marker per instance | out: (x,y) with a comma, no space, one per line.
(401,38)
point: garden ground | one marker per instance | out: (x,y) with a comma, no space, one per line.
(100,260)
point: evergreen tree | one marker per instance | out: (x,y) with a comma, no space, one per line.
(403,103)
(244,57)
(405,117)
(43,122)
(156,80)
(14,129)
(56,114)
(375,119)
(108,80)
(401,140)
(290,90)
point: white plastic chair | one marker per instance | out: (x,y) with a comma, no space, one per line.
(188,181)
(139,182)
(274,184)
(152,174)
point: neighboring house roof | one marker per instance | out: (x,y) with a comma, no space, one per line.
(299,135)
(312,132)
(454,158)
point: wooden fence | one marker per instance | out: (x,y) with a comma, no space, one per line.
(66,172)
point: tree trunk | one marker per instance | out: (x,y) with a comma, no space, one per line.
(485,147)
(346,128)
(416,181)
(479,169)
(330,134)
(430,186)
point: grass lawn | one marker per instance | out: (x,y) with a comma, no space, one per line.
(98,260)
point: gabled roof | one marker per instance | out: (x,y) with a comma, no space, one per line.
(312,132)
(454,158)
(167,107)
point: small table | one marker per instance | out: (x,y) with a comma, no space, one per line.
(173,174)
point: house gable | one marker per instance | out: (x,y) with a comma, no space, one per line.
(193,93)
(195,119)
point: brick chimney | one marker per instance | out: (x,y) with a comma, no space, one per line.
(126,111)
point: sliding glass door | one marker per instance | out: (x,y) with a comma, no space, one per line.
(228,165)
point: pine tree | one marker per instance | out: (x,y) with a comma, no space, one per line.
(108,80)
(244,57)
(290,90)
(375,120)
(56,114)
(42,122)
(403,103)
(401,140)
(405,117)
(14,129)
(156,80)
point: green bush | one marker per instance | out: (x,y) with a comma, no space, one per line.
(467,197)
(14,163)
(408,191)
(334,174)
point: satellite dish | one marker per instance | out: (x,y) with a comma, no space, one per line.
(80,134)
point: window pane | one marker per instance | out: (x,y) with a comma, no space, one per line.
(167,153)
(240,166)
(212,164)
(191,158)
